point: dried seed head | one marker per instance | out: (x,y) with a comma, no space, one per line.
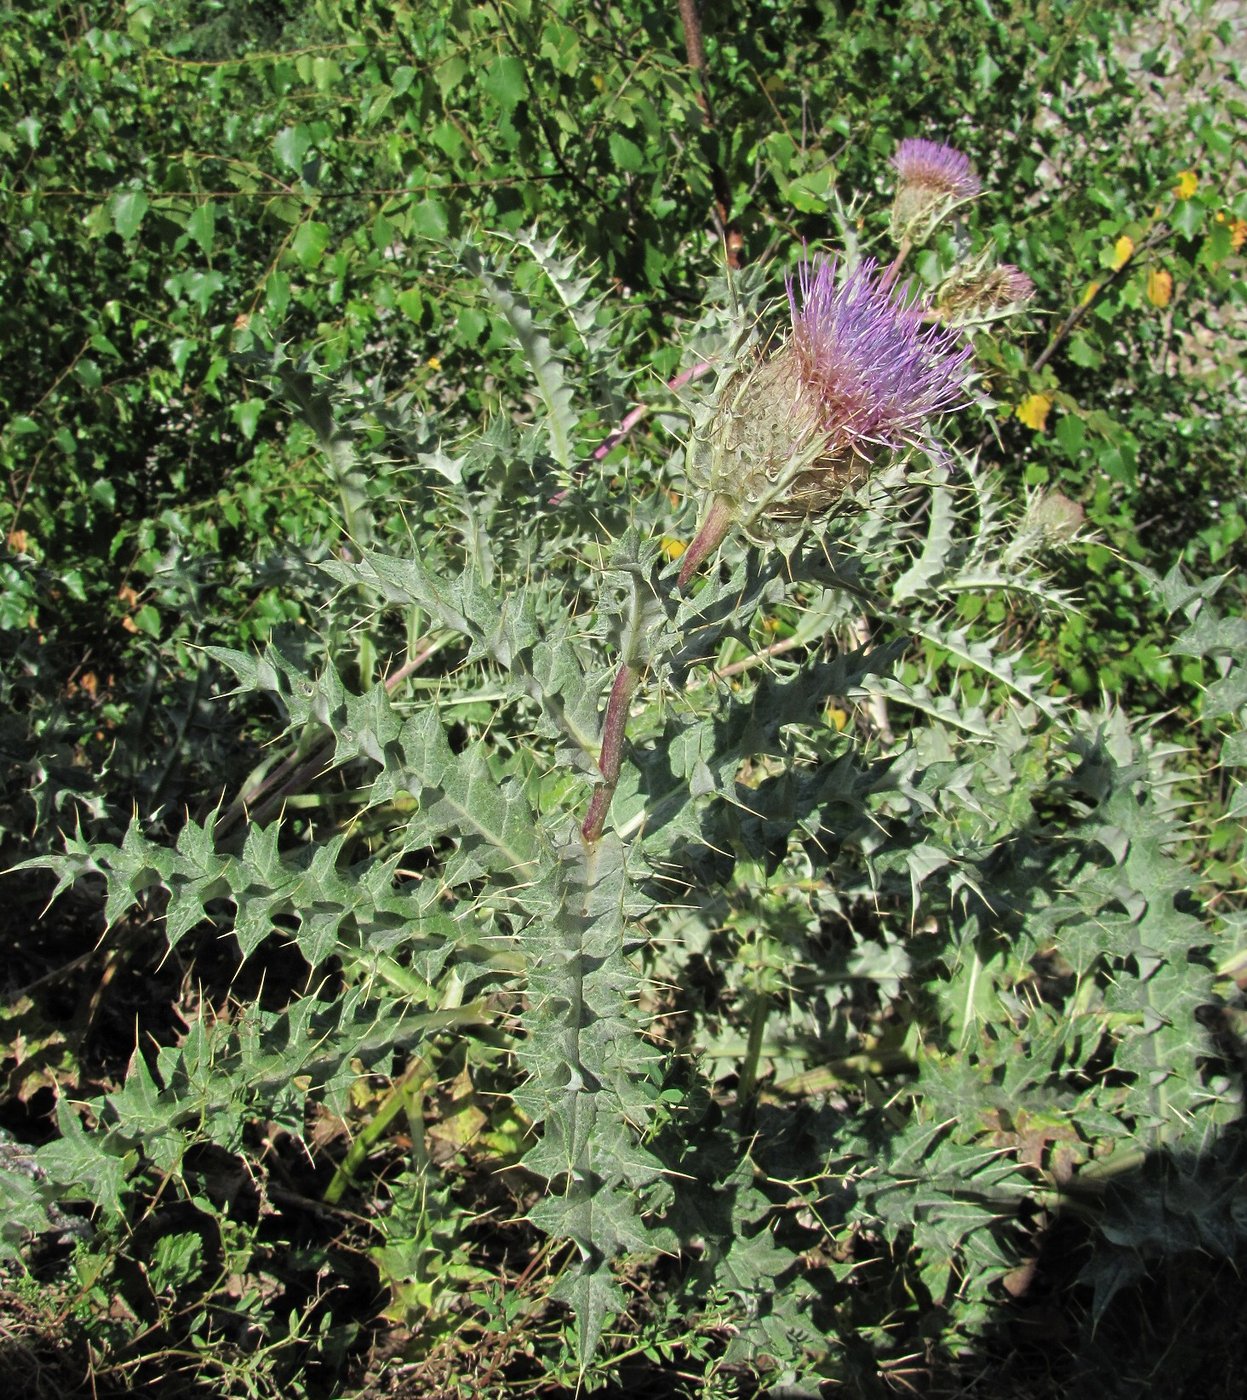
(934,178)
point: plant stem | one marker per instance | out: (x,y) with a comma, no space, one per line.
(892,271)
(719,183)
(635,415)
(713,532)
(403,1095)
(748,1082)
(256,804)
(614,728)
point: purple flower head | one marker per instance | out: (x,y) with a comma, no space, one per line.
(937,167)
(878,374)
(933,179)
(857,381)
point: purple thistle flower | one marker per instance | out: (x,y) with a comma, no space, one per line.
(879,376)
(858,380)
(937,167)
(933,179)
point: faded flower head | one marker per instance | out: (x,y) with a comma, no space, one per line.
(1053,517)
(857,381)
(933,179)
(980,292)
(1050,521)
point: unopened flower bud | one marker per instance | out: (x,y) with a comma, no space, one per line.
(1054,517)
(934,179)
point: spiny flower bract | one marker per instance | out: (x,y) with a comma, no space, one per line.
(980,292)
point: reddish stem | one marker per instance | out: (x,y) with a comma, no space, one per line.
(892,271)
(595,818)
(614,728)
(635,415)
(713,532)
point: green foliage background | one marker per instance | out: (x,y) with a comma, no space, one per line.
(309,311)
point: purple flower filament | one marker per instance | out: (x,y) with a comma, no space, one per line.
(876,372)
(936,166)
(858,380)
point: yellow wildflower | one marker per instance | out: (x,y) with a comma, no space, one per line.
(433,362)
(1238,234)
(672,547)
(1033,411)
(1123,251)
(1188,183)
(1159,286)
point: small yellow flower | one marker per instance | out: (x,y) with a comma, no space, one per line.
(1188,183)
(433,362)
(1238,234)
(1123,251)
(1033,411)
(1159,286)
(672,547)
(836,717)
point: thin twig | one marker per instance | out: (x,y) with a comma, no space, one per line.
(721,188)
(1154,239)
(747,663)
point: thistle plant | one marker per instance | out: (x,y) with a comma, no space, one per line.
(820,1000)
(858,382)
